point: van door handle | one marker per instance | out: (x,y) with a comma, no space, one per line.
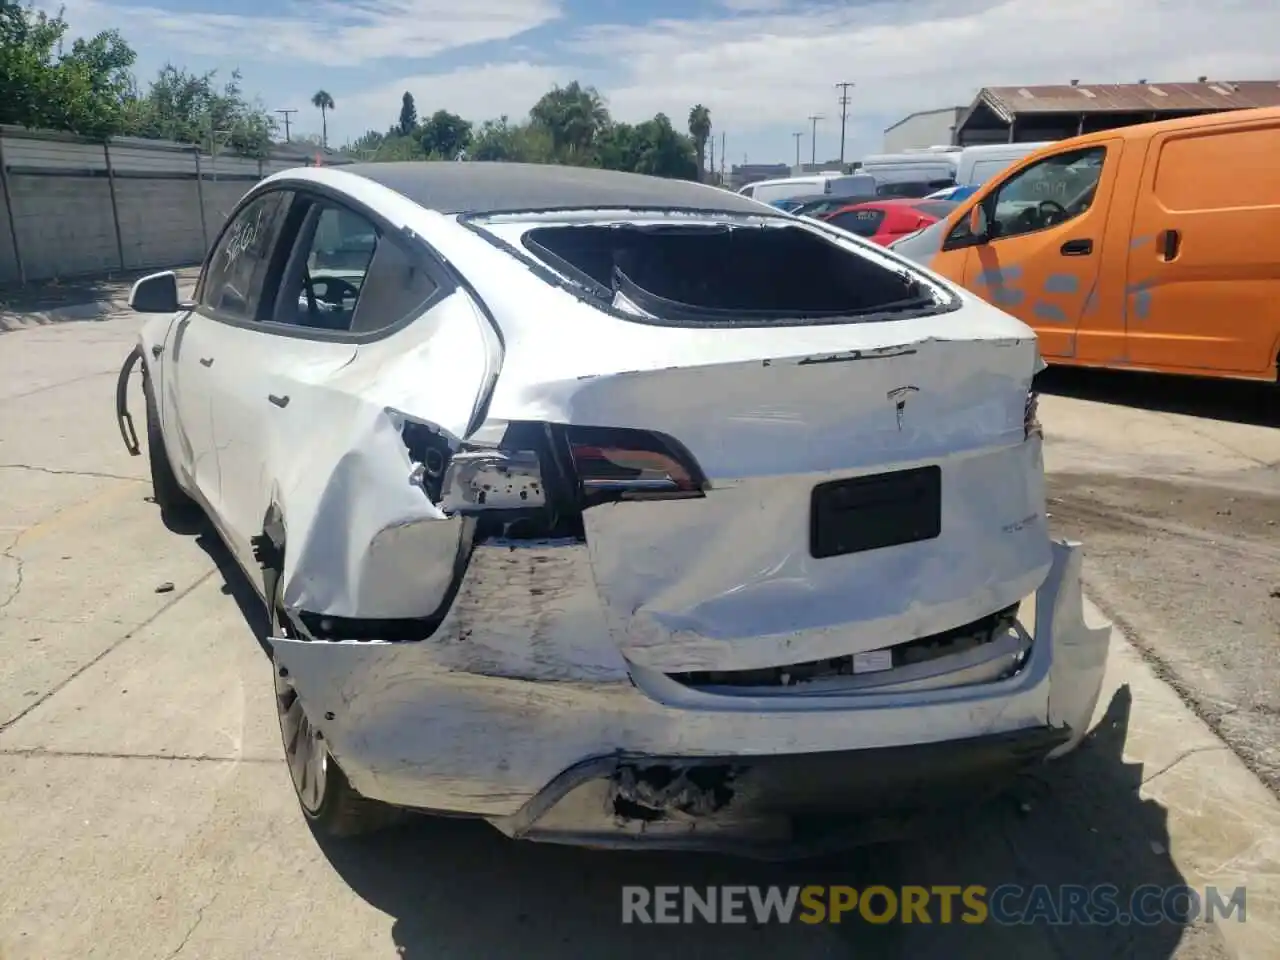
(206,361)
(1170,243)
(1077,248)
(277,400)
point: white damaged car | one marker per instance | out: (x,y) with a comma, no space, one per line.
(617,511)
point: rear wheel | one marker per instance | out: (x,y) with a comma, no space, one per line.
(169,496)
(327,799)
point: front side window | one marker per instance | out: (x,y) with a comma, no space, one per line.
(237,270)
(1047,193)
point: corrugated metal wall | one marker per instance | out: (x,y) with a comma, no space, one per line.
(73,207)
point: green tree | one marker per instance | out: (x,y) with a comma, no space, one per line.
(85,90)
(665,151)
(408,114)
(445,135)
(573,116)
(191,108)
(502,140)
(323,102)
(700,130)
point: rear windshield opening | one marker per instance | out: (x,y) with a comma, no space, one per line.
(720,273)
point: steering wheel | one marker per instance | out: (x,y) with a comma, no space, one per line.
(337,290)
(1051,212)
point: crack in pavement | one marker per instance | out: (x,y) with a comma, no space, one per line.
(69,473)
(19,567)
(116,755)
(192,929)
(1191,751)
(57,688)
(55,386)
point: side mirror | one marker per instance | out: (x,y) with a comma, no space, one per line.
(978,225)
(156,293)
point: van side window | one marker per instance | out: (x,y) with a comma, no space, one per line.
(1045,194)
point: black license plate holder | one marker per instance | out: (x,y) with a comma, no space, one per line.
(872,512)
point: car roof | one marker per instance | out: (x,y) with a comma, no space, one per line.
(482,187)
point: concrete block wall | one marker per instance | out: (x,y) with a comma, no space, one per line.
(65,225)
(8,263)
(60,192)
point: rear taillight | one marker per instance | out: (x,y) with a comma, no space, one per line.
(525,468)
(625,464)
(1031,419)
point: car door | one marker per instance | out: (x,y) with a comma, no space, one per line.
(341,283)
(1041,257)
(229,290)
(1201,290)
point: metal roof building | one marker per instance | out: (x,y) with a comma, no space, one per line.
(1013,114)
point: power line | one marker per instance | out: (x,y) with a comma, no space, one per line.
(286,122)
(843,86)
(813,118)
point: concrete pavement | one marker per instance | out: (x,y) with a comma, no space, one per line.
(148,814)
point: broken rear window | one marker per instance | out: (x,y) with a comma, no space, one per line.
(718,274)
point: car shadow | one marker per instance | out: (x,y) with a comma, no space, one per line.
(93,297)
(457,887)
(1235,401)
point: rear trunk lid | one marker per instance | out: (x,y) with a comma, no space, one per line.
(870,479)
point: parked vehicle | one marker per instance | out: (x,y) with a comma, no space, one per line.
(848,185)
(883,221)
(813,206)
(977,165)
(914,174)
(1141,247)
(955,194)
(618,510)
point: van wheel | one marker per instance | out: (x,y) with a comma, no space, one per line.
(168,494)
(329,802)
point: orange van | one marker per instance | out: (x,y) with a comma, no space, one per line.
(1153,247)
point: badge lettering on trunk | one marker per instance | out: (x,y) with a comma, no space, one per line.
(899,398)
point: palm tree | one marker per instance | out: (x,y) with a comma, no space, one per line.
(323,102)
(700,130)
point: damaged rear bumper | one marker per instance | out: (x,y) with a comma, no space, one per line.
(520,709)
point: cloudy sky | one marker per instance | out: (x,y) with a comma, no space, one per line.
(762,66)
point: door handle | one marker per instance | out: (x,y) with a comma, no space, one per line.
(1077,248)
(1170,242)
(278,401)
(206,361)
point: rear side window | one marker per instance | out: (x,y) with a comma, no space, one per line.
(729,274)
(237,271)
(345,277)
(864,223)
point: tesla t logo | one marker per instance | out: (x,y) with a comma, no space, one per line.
(899,398)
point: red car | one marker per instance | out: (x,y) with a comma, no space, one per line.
(883,221)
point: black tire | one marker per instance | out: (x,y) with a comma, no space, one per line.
(169,496)
(335,809)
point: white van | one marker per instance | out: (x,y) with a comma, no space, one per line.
(979,164)
(853,185)
(915,174)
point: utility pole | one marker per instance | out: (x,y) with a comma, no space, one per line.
(843,86)
(813,143)
(711,167)
(722,156)
(286,122)
(798,136)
